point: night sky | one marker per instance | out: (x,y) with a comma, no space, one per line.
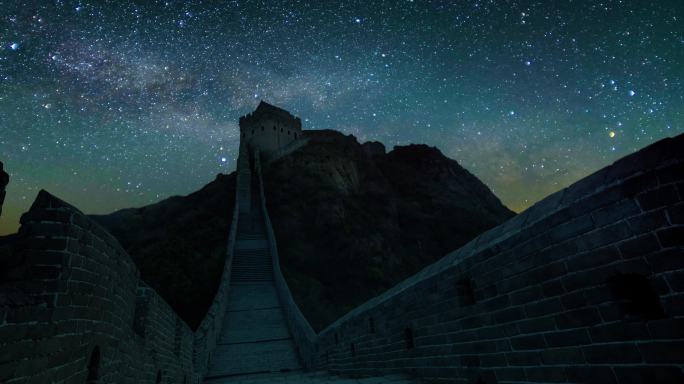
(113,104)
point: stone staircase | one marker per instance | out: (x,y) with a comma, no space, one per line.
(255,345)
(254,337)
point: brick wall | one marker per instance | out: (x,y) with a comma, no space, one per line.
(585,286)
(209,330)
(72,305)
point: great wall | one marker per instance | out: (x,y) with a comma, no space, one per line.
(586,286)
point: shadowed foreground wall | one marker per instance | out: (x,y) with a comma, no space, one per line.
(72,307)
(585,286)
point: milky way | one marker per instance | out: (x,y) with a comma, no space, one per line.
(110,104)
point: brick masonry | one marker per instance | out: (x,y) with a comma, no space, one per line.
(72,306)
(585,286)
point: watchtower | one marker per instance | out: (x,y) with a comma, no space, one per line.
(269,128)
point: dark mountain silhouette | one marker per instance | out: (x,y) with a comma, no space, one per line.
(350,220)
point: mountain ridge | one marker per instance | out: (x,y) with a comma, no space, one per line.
(372,217)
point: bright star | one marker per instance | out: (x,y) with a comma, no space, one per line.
(14,46)
(632,93)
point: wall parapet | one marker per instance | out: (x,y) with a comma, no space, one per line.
(209,330)
(545,296)
(302,332)
(68,302)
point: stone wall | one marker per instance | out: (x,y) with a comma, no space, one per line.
(209,331)
(72,307)
(585,286)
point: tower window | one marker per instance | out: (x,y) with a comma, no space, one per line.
(371,325)
(281,130)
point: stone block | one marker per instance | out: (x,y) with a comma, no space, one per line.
(528,342)
(639,246)
(648,374)
(590,374)
(620,353)
(567,338)
(663,352)
(578,318)
(546,374)
(647,221)
(604,236)
(671,237)
(615,212)
(657,198)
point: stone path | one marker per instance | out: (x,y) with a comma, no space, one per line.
(255,337)
(311,378)
(255,345)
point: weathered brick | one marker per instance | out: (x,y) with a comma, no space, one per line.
(676,214)
(622,353)
(590,374)
(615,212)
(660,352)
(578,318)
(607,235)
(539,324)
(562,356)
(544,307)
(647,221)
(648,374)
(523,358)
(638,183)
(666,328)
(528,342)
(567,338)
(546,374)
(639,246)
(666,260)
(570,229)
(671,173)
(671,237)
(620,331)
(593,258)
(660,197)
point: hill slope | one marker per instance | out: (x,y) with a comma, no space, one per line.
(351,221)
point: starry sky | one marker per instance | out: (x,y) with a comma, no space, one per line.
(113,104)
